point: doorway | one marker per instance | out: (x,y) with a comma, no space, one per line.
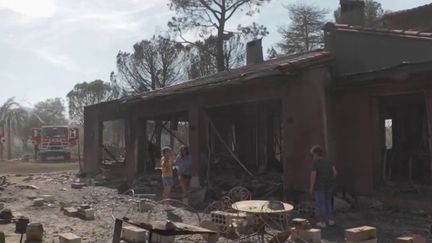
(404,139)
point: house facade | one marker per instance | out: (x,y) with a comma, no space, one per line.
(366,98)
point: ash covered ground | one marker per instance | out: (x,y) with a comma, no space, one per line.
(26,181)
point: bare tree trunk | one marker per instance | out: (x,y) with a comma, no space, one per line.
(219,54)
(220,57)
(9,140)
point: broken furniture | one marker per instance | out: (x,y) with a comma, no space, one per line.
(21,226)
(228,223)
(239,193)
(236,194)
(169,210)
(264,210)
(160,228)
(226,219)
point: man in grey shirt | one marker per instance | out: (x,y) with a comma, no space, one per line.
(322,181)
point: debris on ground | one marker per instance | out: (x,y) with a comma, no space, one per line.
(69,238)
(340,205)
(369,202)
(88,212)
(85,212)
(34,232)
(77,185)
(5,216)
(71,211)
(38,202)
(33,187)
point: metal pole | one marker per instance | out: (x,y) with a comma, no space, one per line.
(117,231)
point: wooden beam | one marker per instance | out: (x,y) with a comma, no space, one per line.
(229,149)
(263,90)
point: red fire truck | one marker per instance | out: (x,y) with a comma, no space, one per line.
(54,141)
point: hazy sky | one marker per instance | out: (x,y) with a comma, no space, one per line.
(47,46)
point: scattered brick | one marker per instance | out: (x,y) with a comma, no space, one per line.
(77,185)
(362,233)
(37,202)
(69,238)
(86,214)
(134,234)
(70,211)
(411,239)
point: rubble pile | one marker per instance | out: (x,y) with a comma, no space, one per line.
(264,185)
(50,200)
(85,214)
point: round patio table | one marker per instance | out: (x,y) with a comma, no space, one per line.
(261,207)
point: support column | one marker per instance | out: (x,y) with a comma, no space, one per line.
(131,143)
(143,149)
(194,141)
(287,164)
(92,142)
(303,125)
(262,133)
(197,142)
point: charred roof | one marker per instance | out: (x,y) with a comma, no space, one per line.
(243,74)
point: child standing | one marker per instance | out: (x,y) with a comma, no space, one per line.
(183,161)
(167,172)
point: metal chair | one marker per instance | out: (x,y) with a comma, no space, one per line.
(239,193)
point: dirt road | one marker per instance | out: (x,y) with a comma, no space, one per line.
(35,167)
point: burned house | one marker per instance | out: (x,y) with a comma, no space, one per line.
(367,98)
(417,19)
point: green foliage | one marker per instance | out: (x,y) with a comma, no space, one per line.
(85,94)
(304,33)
